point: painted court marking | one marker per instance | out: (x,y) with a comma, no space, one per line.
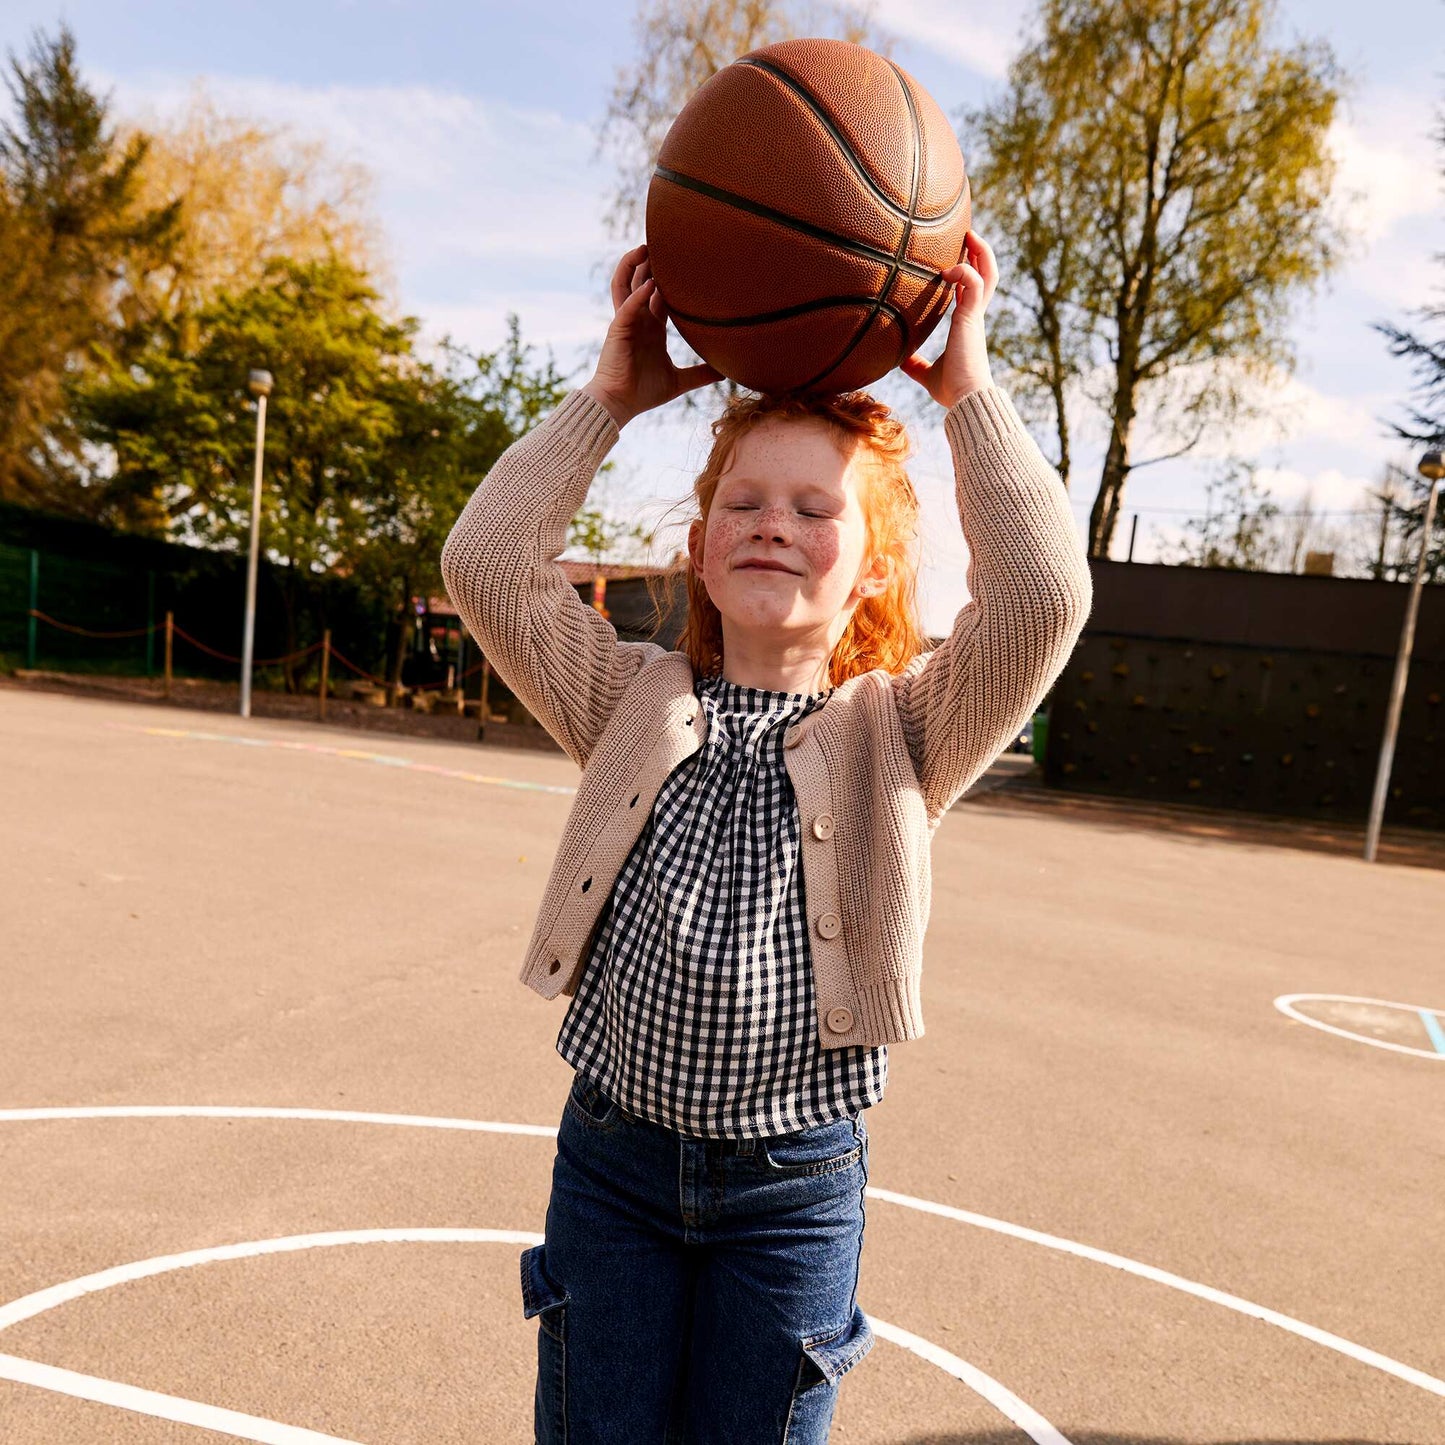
(251,1427)
(1428,1019)
(1324,1338)
(361,755)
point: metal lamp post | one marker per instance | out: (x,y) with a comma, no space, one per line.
(1432,467)
(259,384)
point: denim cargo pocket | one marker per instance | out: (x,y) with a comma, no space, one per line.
(590,1107)
(544,1301)
(826,1358)
(830,1357)
(823,1149)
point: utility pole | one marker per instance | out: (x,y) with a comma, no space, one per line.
(259,384)
(1432,467)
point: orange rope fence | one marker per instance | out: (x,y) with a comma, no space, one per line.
(256,662)
(85,631)
(177,630)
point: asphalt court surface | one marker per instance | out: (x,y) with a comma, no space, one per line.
(1108,1158)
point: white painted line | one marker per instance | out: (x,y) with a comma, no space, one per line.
(161,1407)
(1360,1353)
(1375,1360)
(1286,1001)
(388,760)
(999,1396)
(28,1306)
(229,1111)
(191,1412)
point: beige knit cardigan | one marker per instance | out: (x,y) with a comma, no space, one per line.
(873,771)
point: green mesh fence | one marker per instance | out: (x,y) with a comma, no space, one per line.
(94,615)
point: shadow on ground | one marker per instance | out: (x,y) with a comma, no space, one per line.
(1413,847)
(1094,1437)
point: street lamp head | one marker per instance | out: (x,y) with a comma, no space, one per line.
(1432,466)
(259,383)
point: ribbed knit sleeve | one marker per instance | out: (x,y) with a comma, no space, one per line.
(1030,589)
(560,656)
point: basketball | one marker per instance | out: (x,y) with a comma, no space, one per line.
(803,202)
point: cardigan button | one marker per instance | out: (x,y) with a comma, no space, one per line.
(823,825)
(840,1020)
(829,924)
(794,736)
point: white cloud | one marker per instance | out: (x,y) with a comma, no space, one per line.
(486,207)
(1328,490)
(1388,170)
(980,37)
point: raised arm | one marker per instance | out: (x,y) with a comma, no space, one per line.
(560,656)
(1027,575)
(1029,582)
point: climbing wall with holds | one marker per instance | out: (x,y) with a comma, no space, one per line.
(1280,722)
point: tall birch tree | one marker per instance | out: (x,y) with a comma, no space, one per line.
(1155,180)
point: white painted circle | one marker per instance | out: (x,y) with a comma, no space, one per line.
(1360,1353)
(245,1427)
(1285,1003)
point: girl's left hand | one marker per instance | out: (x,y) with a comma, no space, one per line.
(963,365)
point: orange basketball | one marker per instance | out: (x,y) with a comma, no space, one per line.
(803,203)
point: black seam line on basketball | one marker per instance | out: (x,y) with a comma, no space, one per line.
(844,243)
(866,324)
(863,326)
(785,314)
(844,145)
(917,158)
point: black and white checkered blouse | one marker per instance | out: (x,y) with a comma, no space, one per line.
(695,1008)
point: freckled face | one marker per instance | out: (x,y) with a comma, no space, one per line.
(790,497)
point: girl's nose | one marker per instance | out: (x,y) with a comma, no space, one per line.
(771,523)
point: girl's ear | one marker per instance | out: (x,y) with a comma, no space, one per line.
(694,545)
(873,579)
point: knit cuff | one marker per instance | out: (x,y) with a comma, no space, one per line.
(981,419)
(889,1011)
(572,440)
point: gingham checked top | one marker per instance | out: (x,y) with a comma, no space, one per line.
(696,1006)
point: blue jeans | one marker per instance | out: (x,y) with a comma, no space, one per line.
(695,1290)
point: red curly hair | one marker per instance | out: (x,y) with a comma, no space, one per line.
(883,631)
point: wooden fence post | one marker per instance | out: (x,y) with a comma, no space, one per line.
(170,648)
(325,672)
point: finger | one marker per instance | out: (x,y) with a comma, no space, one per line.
(914,365)
(691,377)
(621,279)
(984,260)
(632,304)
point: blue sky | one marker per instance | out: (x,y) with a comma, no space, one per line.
(477,122)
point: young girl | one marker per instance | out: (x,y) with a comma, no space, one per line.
(738,901)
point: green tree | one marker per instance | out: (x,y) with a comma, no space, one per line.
(71,235)
(179,427)
(1155,182)
(453,419)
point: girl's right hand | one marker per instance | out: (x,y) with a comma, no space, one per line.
(634,372)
